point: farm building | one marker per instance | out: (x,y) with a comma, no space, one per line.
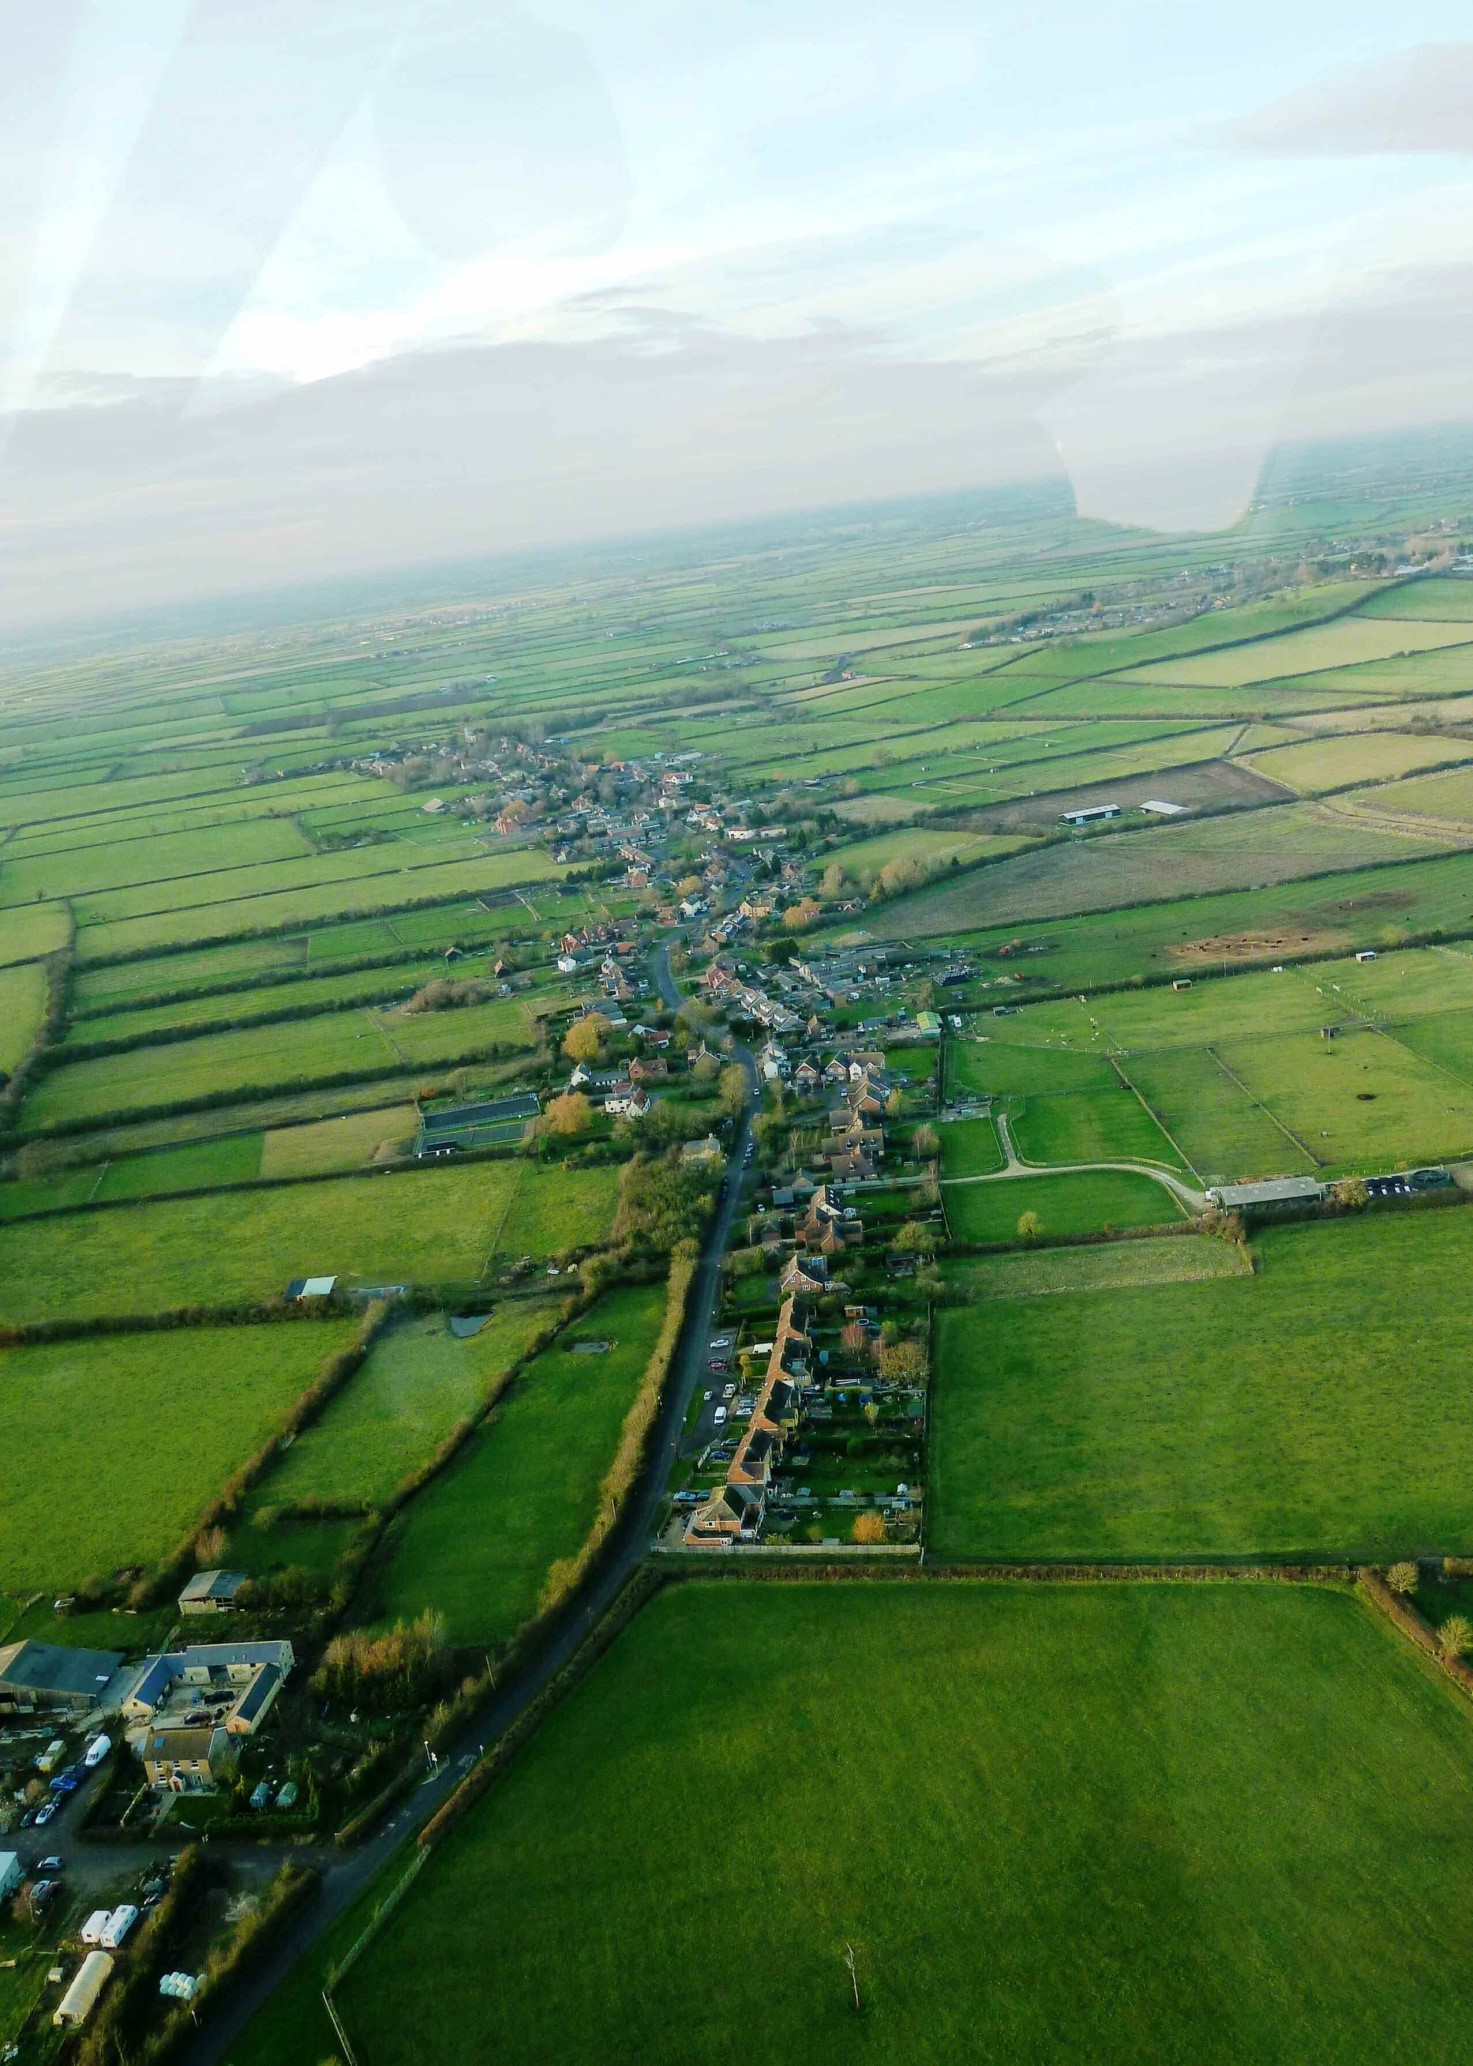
(1278,1190)
(36,1675)
(232,1685)
(211,1592)
(310,1287)
(1089,814)
(80,1999)
(1156,807)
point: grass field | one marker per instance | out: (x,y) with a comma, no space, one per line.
(422,1226)
(478,1543)
(1013,1063)
(346,1143)
(970,1147)
(1217,1122)
(1362,1101)
(22,1006)
(1052,1823)
(263,1058)
(32,931)
(1121,868)
(1320,1406)
(1078,1204)
(89,1414)
(1369,757)
(1345,643)
(418,1381)
(1089,1126)
(1110,1266)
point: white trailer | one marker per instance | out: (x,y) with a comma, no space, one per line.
(118,1925)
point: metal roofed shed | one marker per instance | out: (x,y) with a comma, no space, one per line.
(1157,807)
(1276,1190)
(80,1999)
(211,1592)
(310,1287)
(46,1675)
(1088,814)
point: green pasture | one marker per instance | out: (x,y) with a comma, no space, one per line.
(1345,643)
(1089,1126)
(31,931)
(1195,936)
(1365,1100)
(1116,869)
(1113,1823)
(1103,1266)
(1445,796)
(88,1485)
(1084,1202)
(1320,764)
(1318,1407)
(970,1147)
(419,1380)
(361,896)
(22,1007)
(260,1059)
(425,1226)
(1213,1117)
(110,864)
(349,1142)
(1011,1060)
(478,1543)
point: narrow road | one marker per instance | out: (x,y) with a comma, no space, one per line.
(346,1874)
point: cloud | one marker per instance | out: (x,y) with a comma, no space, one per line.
(1417,100)
(486,449)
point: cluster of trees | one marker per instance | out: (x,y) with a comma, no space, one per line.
(662,1201)
(444,994)
(387,1673)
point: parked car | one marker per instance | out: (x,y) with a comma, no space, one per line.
(45,1813)
(719,1415)
(728,1390)
(52,1867)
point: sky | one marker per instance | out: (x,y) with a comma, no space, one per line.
(292,289)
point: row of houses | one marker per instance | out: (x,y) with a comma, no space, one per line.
(734,1511)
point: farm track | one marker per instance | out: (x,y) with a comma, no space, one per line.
(1187,1195)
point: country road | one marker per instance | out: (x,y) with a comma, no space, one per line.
(345,1875)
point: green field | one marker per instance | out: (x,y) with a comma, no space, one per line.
(429,1226)
(1321,764)
(260,1059)
(346,1143)
(1218,1124)
(1319,1406)
(1077,1204)
(1107,1266)
(1089,1126)
(1112,1823)
(22,1005)
(417,1382)
(970,1147)
(32,931)
(1116,869)
(89,1414)
(478,1543)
